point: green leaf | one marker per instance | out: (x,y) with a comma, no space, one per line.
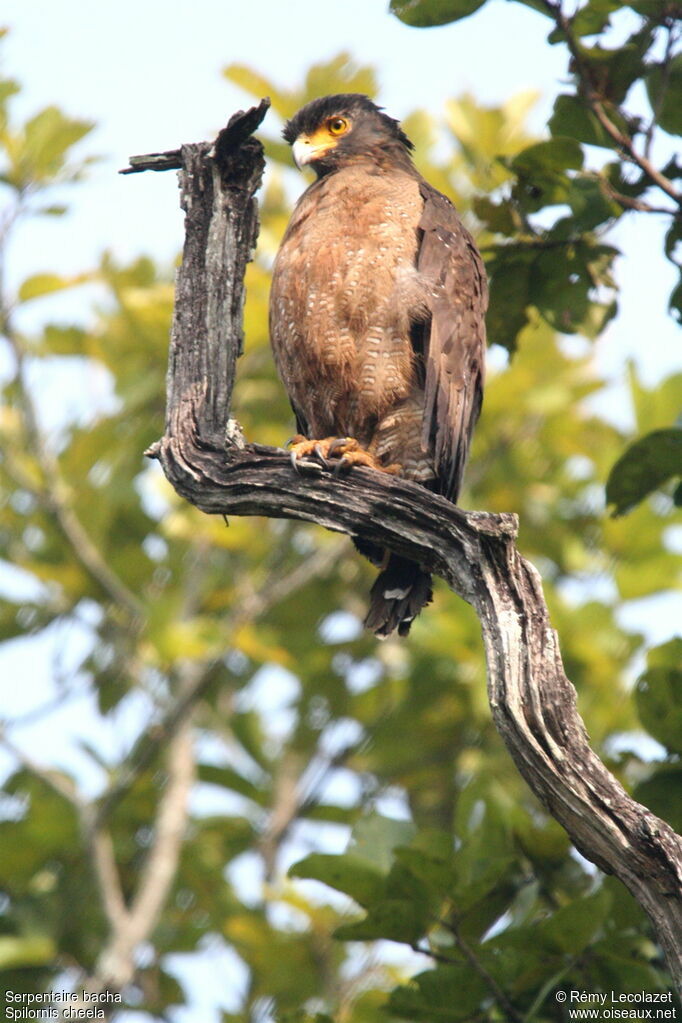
(664,88)
(645,466)
(541,173)
(673,238)
(329,813)
(349,874)
(572,928)
(446,994)
(483,865)
(374,838)
(34,950)
(560,300)
(662,793)
(572,117)
(246,727)
(48,137)
(538,5)
(510,271)
(557,153)
(54,210)
(594,17)
(8,88)
(613,71)
(388,920)
(45,284)
(656,10)
(530,956)
(427,13)
(435,871)
(301,1016)
(675,303)
(590,203)
(597,318)
(60,340)
(340,74)
(283,101)
(227,777)
(658,694)
(658,406)
(616,179)
(497,217)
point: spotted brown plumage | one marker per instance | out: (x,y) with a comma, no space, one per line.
(377,319)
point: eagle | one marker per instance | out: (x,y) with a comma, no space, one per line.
(377,321)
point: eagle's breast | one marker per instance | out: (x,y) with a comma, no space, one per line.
(345,289)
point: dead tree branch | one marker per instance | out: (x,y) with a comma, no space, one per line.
(205,458)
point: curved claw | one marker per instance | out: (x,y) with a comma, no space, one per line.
(349,443)
(303,463)
(320,454)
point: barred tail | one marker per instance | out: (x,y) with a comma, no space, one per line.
(400,592)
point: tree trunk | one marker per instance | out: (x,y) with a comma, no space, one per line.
(204,457)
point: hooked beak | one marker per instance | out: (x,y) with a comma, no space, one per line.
(305,151)
(302,151)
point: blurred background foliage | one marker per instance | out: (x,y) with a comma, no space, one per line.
(337,819)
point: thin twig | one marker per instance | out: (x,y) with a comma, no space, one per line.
(437,957)
(52,778)
(291,802)
(629,202)
(477,966)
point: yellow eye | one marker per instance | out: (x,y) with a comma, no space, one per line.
(337,125)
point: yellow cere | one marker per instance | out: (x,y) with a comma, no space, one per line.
(332,128)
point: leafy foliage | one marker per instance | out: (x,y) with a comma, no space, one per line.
(239,648)
(658,695)
(433,12)
(646,466)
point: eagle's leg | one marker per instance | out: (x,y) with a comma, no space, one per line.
(344,451)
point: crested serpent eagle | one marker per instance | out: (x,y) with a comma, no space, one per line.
(377,324)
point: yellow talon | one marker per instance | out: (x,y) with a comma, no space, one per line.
(345,451)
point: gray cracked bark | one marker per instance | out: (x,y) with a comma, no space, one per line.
(206,460)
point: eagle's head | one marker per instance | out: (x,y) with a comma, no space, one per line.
(333,130)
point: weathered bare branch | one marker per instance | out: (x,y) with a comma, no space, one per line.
(532,701)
